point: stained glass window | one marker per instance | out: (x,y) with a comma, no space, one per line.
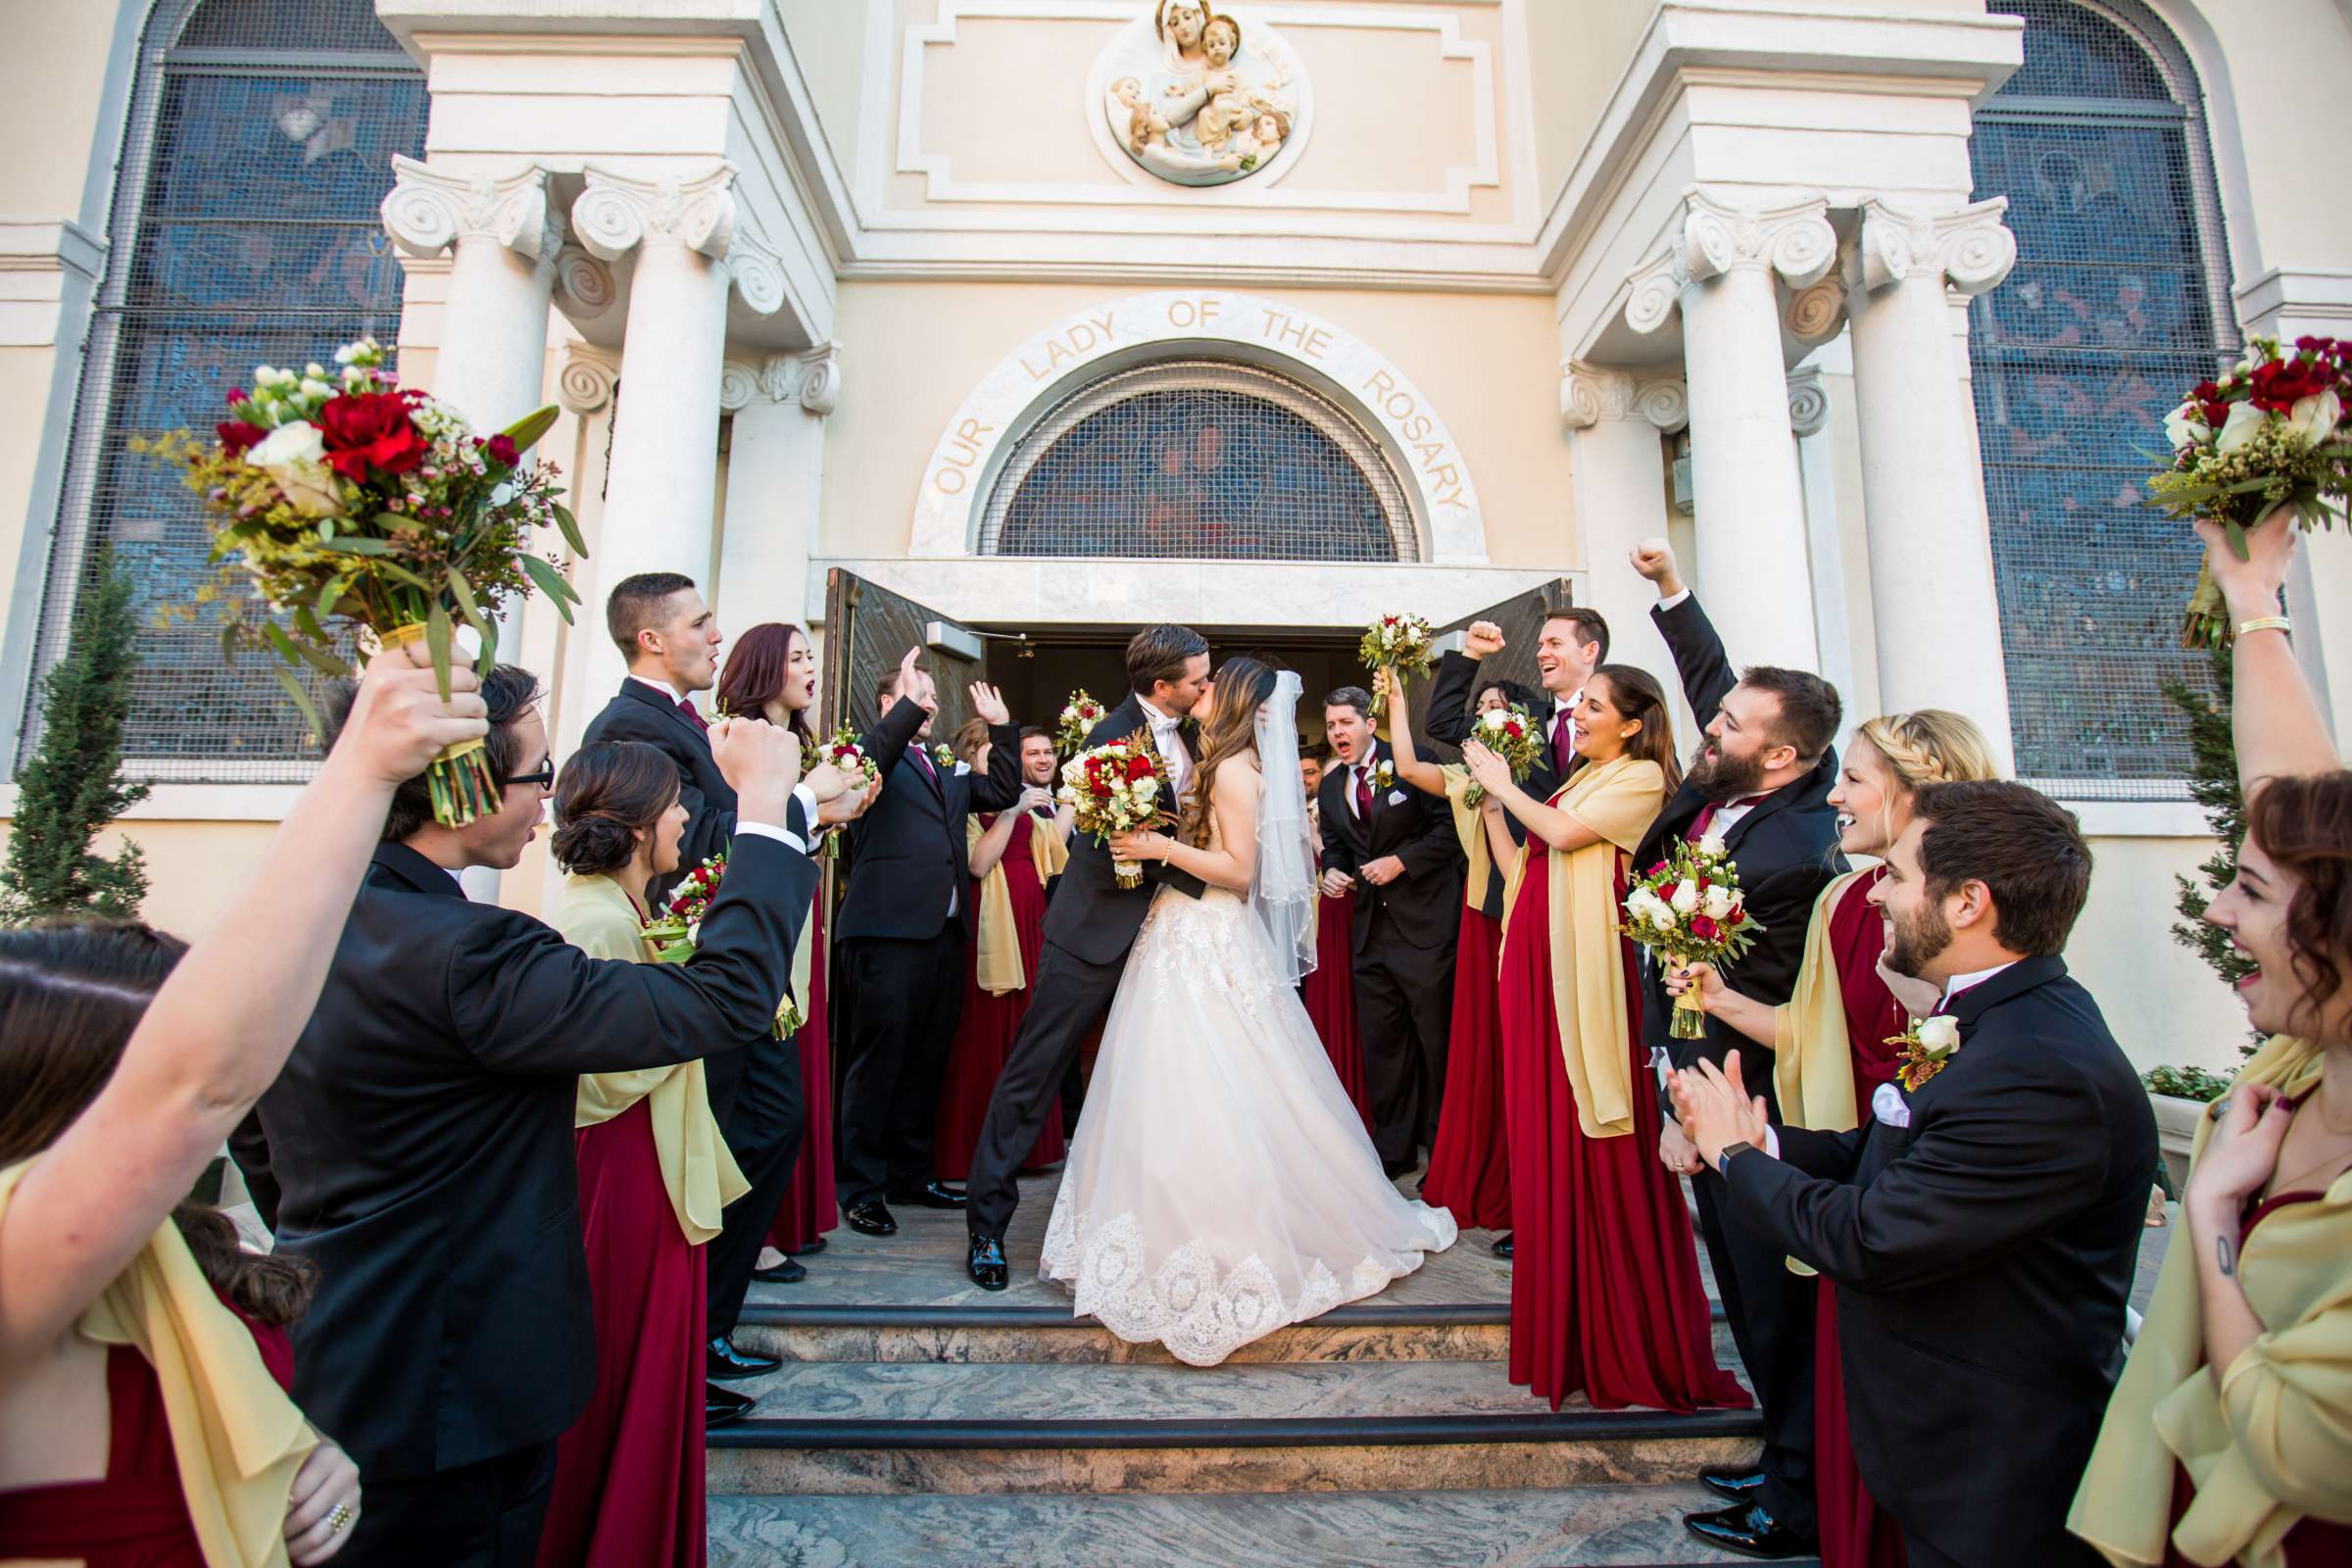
(1199,459)
(244,231)
(2119,301)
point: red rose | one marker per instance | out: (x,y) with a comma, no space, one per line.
(1701,884)
(2205,392)
(237,435)
(2279,384)
(371,430)
(1704,929)
(1738,915)
(1102,789)
(2216,412)
(500,449)
(236,394)
(1140,767)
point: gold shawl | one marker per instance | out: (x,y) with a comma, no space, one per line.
(1812,1064)
(1470,827)
(2273,1443)
(998,958)
(597,917)
(236,1437)
(1617,799)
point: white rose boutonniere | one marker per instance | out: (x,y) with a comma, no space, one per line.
(1383,776)
(1927,1048)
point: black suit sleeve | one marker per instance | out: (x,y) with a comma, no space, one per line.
(1818,1153)
(888,740)
(1991,1169)
(1434,844)
(999,788)
(1445,711)
(1337,853)
(249,1147)
(526,1001)
(1699,656)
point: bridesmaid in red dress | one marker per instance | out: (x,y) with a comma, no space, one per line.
(1013,855)
(1605,1291)
(1469,1167)
(1329,991)
(654,1173)
(1831,1051)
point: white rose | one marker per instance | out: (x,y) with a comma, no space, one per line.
(1685,897)
(694,933)
(295,456)
(2237,431)
(2184,429)
(1713,846)
(1146,790)
(1661,915)
(2313,419)
(1718,901)
(1940,1035)
(1494,719)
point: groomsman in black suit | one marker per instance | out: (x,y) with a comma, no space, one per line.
(1762,782)
(671,640)
(1089,925)
(902,931)
(1983,1225)
(1397,847)
(418,1148)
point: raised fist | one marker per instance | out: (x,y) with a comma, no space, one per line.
(1483,638)
(398,721)
(1655,559)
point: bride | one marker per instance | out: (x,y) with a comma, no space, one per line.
(1220,1185)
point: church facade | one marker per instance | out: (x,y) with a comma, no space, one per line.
(1007,325)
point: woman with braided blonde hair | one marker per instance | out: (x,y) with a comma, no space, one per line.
(1833,1046)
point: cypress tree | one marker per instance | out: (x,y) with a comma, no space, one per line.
(73,784)
(2212,784)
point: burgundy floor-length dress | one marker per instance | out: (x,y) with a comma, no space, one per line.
(1470,1165)
(809,1209)
(138,1516)
(1329,993)
(986,1031)
(1605,1291)
(628,1488)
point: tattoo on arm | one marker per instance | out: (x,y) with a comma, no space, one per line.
(2225,1253)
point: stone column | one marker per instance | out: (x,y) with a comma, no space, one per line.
(1808,416)
(775,483)
(1719,270)
(1616,418)
(1933,602)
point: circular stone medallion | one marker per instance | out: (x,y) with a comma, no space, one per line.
(1200,96)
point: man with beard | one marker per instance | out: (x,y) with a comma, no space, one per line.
(1761,783)
(1982,1228)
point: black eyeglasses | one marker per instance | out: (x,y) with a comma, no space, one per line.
(541,777)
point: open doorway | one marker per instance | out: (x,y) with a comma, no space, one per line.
(1037,670)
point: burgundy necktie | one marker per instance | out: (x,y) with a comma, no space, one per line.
(687,708)
(922,760)
(1363,792)
(1563,742)
(1706,817)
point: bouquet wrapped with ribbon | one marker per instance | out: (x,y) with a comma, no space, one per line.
(1400,643)
(1079,717)
(1512,734)
(1118,788)
(675,931)
(1688,908)
(346,497)
(2264,439)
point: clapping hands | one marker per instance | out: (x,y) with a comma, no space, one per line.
(1716,1108)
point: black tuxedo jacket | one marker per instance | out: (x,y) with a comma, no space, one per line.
(1450,721)
(1425,905)
(1091,916)
(641,714)
(908,851)
(418,1148)
(1787,850)
(1984,1256)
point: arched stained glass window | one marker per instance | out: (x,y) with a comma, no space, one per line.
(243,230)
(1199,459)
(2119,303)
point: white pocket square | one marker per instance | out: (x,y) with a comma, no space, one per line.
(1396,796)
(1888,1106)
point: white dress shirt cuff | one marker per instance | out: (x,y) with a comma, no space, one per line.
(1673,599)
(1772,1142)
(769,830)
(807,799)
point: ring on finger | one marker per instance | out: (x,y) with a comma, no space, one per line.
(338,1518)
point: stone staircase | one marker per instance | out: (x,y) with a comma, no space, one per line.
(920,1420)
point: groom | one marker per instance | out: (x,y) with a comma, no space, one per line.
(1089,925)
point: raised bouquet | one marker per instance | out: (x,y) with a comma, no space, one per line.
(1401,643)
(1118,788)
(842,750)
(1687,908)
(2266,437)
(1511,733)
(1079,717)
(676,930)
(345,495)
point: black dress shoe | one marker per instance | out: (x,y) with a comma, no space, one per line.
(722,1406)
(987,1263)
(1735,1483)
(1750,1530)
(1502,1246)
(931,1194)
(870,1218)
(787,1272)
(1394,1168)
(723,1361)
(815,1245)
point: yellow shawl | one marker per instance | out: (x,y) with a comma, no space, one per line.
(597,917)
(1813,1064)
(1617,799)
(1470,827)
(2274,1441)
(998,958)
(236,1437)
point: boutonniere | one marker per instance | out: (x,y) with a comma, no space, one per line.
(1384,775)
(945,755)
(1929,1045)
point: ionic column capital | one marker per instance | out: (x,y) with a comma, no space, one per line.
(588,377)
(1809,402)
(1712,238)
(1815,315)
(584,285)
(1970,249)
(1591,393)
(429,210)
(616,212)
(1665,402)
(811,379)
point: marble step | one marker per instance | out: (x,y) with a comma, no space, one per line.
(966,1428)
(1614,1525)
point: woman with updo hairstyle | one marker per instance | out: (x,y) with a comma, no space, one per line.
(1833,1046)
(2229,1437)
(654,1173)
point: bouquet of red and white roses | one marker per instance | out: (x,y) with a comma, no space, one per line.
(1117,788)
(346,495)
(2266,437)
(1079,717)
(1688,908)
(1511,733)
(676,930)
(845,754)
(1401,643)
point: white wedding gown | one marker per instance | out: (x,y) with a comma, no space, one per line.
(1220,1185)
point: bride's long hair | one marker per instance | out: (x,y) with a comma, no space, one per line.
(1242,686)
